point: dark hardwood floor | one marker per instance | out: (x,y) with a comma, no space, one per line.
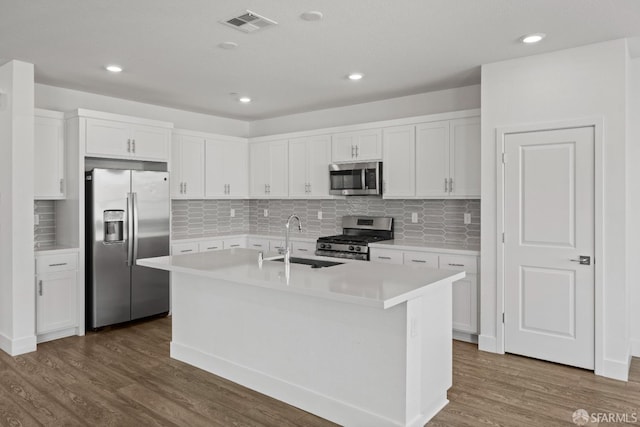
(124,377)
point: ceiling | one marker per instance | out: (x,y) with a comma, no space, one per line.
(170,55)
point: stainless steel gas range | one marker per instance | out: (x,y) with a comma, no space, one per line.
(358,232)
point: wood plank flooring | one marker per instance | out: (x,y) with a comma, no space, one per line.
(124,377)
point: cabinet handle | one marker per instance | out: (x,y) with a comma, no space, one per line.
(129,145)
(450,185)
(456,265)
(303,250)
(212,247)
(357,151)
(353,151)
(133,144)
(61,185)
(384,257)
(234,246)
(269,188)
(256,245)
(419,260)
(186,250)
(58,264)
(185,188)
(446,188)
(40,288)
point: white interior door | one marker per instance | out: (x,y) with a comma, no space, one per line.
(548,224)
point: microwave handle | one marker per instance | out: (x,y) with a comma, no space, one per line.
(363,177)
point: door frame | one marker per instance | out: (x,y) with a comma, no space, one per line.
(501,133)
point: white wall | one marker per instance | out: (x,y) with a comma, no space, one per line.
(17,287)
(633,204)
(60,99)
(570,84)
(442,101)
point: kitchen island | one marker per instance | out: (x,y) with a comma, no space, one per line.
(360,344)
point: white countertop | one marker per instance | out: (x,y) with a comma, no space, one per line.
(359,282)
(427,246)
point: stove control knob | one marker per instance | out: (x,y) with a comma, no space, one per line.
(350,248)
(321,245)
(358,248)
(328,246)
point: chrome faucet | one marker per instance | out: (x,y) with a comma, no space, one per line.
(287,247)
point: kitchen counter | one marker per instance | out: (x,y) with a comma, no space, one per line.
(428,246)
(360,344)
(377,285)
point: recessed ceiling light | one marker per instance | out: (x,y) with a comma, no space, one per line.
(114,68)
(244,99)
(355,76)
(532,38)
(228,45)
(312,15)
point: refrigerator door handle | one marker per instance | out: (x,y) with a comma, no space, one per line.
(135,228)
(129,229)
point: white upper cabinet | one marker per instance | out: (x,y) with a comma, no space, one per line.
(432,159)
(49,179)
(309,160)
(465,155)
(226,169)
(358,146)
(269,169)
(399,166)
(187,167)
(115,139)
(448,159)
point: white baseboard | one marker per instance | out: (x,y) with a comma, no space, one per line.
(615,369)
(488,343)
(57,335)
(324,406)
(465,336)
(635,348)
(18,346)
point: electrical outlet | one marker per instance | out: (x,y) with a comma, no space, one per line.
(467,218)
(319,214)
(233,213)
(36,219)
(266,212)
(414,217)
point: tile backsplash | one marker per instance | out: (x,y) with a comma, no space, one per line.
(438,220)
(44,234)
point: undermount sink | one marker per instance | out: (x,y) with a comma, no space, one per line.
(314,263)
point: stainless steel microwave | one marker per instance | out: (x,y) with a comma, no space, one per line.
(355,179)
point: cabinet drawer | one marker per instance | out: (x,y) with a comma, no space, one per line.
(258,244)
(61,262)
(459,263)
(424,259)
(184,248)
(234,243)
(276,245)
(210,245)
(303,248)
(386,255)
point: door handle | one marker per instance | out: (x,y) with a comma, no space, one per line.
(130,229)
(135,227)
(582,259)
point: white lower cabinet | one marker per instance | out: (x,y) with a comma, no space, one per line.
(185,248)
(302,249)
(258,243)
(235,242)
(211,245)
(56,296)
(465,291)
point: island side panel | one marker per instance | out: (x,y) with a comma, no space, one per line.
(344,362)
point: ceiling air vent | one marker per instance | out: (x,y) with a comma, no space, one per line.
(249,22)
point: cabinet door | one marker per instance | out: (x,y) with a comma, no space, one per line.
(56,301)
(318,160)
(48,150)
(236,169)
(258,243)
(184,248)
(302,249)
(343,147)
(421,259)
(399,166)
(237,242)
(298,168)
(389,256)
(108,138)
(432,159)
(149,142)
(258,168)
(215,159)
(192,166)
(210,245)
(465,157)
(369,145)
(278,169)
(465,304)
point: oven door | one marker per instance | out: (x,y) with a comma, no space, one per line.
(355,179)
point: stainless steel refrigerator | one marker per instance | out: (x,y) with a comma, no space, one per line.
(127,218)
